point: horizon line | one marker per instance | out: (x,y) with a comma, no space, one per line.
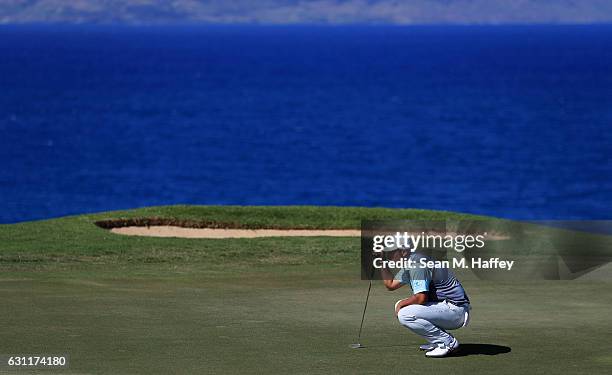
(289,24)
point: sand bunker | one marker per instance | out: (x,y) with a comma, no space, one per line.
(174,231)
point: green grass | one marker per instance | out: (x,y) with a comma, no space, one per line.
(134,305)
(76,242)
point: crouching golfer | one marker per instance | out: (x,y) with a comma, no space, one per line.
(438,304)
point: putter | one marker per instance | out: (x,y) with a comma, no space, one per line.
(358,344)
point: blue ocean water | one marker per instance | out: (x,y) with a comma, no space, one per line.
(508,121)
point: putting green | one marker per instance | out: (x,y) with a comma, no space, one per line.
(134,305)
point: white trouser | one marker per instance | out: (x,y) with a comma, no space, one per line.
(432,319)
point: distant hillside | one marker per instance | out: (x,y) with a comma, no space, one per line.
(300,11)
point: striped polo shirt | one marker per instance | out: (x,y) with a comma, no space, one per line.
(439,283)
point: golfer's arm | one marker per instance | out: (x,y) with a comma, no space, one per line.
(392,284)
(389,281)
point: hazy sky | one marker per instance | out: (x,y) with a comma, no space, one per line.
(314,11)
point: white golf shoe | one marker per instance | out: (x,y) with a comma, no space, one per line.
(443,350)
(428,347)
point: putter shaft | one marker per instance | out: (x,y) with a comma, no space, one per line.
(364,311)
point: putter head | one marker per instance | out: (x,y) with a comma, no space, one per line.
(356,346)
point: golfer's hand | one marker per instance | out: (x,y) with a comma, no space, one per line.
(398,306)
